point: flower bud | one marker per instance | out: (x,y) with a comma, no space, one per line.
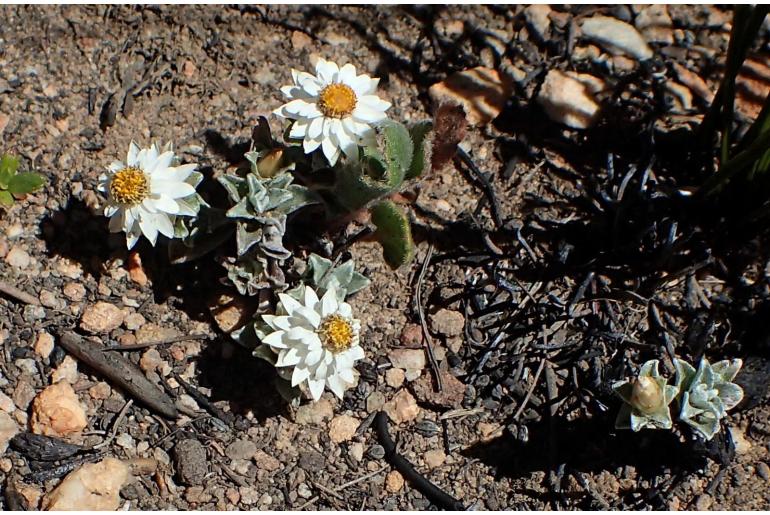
(646,395)
(271,163)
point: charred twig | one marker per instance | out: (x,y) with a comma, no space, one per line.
(18,294)
(486,186)
(428,489)
(64,468)
(175,339)
(201,399)
(531,389)
(115,426)
(119,371)
(420,311)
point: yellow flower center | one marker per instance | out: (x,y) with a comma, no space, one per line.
(337,100)
(336,333)
(129,186)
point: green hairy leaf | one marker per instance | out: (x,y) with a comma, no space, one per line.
(394,233)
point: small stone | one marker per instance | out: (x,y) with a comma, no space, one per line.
(482,92)
(67,371)
(69,268)
(191,462)
(434,458)
(92,487)
(56,411)
(411,336)
(74,291)
(742,445)
(407,359)
(230,312)
(30,493)
(134,321)
(304,491)
(100,391)
(763,470)
(618,37)
(135,271)
(394,377)
(356,450)
(125,441)
(189,69)
(6,403)
(450,396)
(151,361)
(394,481)
(249,495)
(101,317)
(537,18)
(197,495)
(48,299)
(375,402)
(44,345)
(693,81)
(703,503)
(342,428)
(300,40)
(752,86)
(233,496)
(266,462)
(241,450)
(402,407)
(447,322)
(8,429)
(569,98)
(17,257)
(488,431)
(655,24)
(23,394)
(314,413)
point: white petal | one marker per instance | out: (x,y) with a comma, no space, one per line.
(179,173)
(336,385)
(116,166)
(149,229)
(173,189)
(347,74)
(298,375)
(348,142)
(288,358)
(316,128)
(347,375)
(309,144)
(326,71)
(330,150)
(299,129)
(133,153)
(275,340)
(314,357)
(363,85)
(164,161)
(375,102)
(289,303)
(329,302)
(316,388)
(345,309)
(277,322)
(311,298)
(355,353)
(117,221)
(164,204)
(365,114)
(164,224)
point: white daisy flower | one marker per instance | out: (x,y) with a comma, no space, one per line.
(146,193)
(334,109)
(319,338)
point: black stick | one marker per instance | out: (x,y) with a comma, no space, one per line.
(428,489)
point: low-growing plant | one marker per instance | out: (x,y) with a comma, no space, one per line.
(701,396)
(15,184)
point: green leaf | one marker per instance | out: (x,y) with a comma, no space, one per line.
(420,158)
(27,182)
(394,232)
(8,167)
(6,199)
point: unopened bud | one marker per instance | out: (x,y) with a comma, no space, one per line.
(646,395)
(271,163)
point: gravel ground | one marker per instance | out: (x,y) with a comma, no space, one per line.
(78,83)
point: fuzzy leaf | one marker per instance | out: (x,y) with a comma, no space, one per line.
(6,199)
(8,167)
(25,182)
(421,156)
(394,232)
